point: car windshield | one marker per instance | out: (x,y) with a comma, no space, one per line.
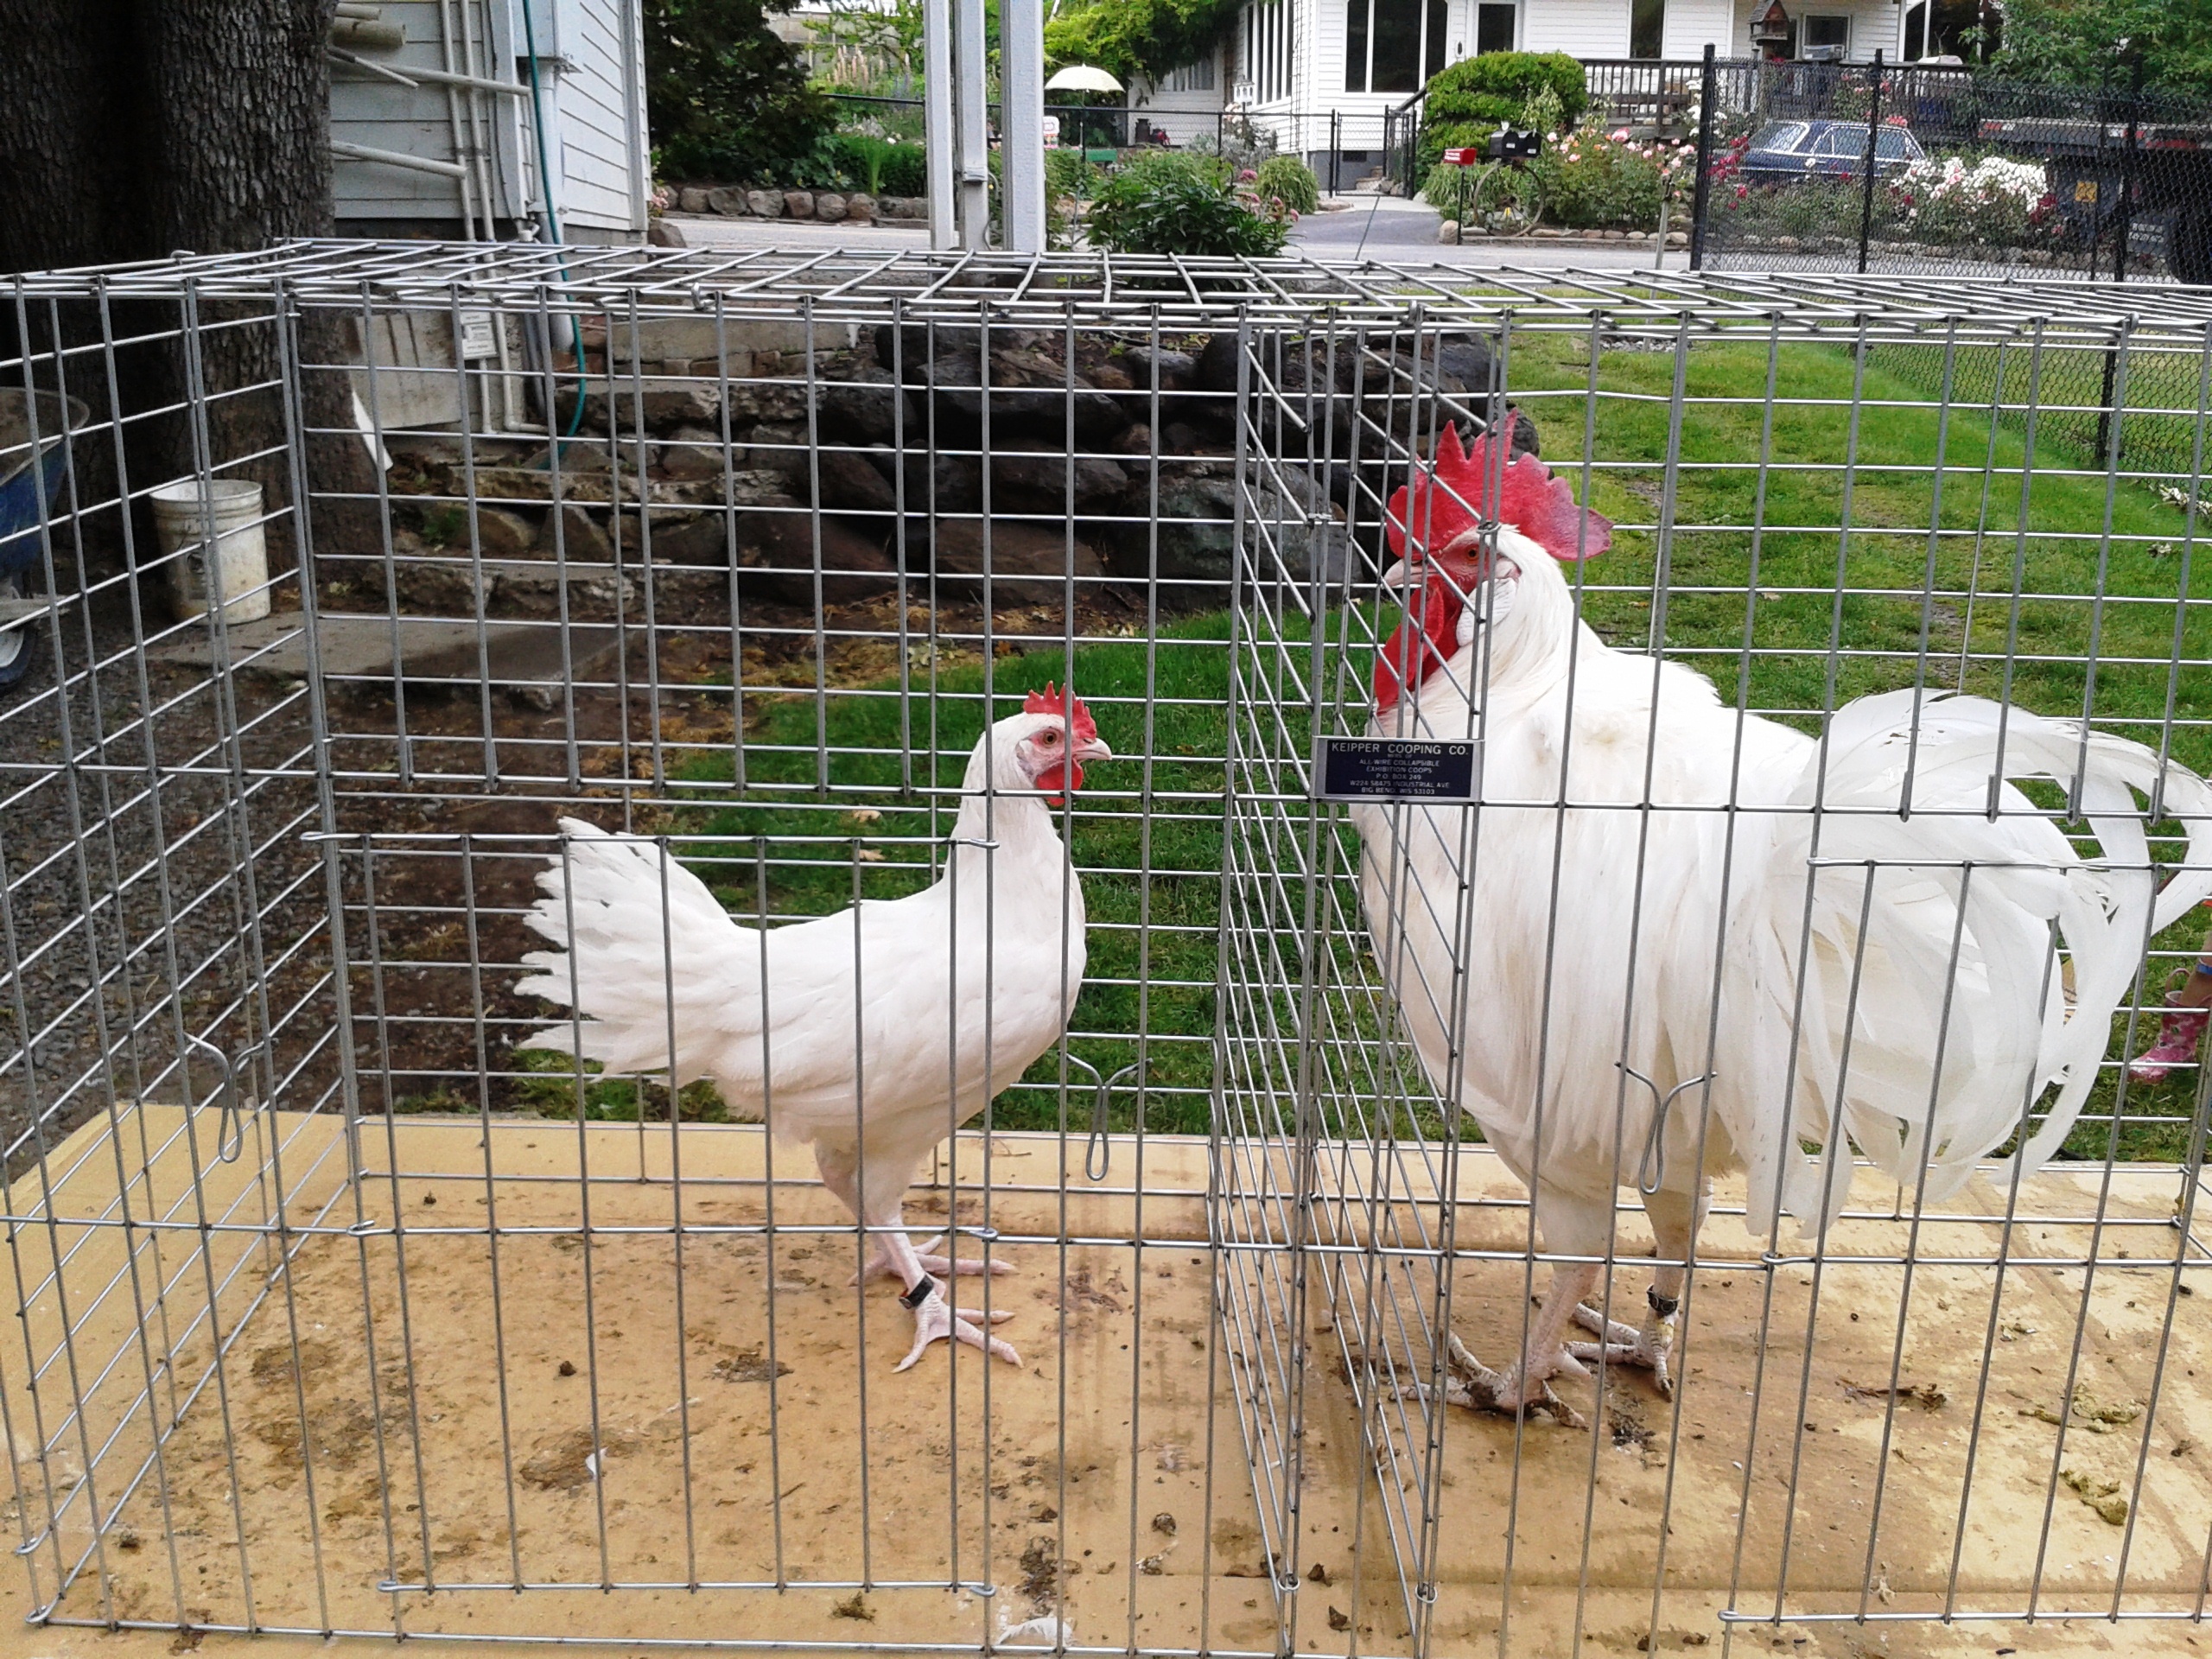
(1782,135)
(1894,145)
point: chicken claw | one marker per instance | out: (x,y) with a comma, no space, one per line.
(934,1320)
(1471,1384)
(884,1264)
(1648,1349)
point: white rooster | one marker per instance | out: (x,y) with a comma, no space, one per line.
(871,1034)
(1642,846)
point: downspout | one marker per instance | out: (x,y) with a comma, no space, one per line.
(550,228)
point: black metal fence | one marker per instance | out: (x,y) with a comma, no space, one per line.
(1896,169)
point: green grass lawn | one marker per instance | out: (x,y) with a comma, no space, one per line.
(2003,602)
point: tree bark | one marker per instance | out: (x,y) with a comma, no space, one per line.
(139,129)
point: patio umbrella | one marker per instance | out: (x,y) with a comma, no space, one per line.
(1082,77)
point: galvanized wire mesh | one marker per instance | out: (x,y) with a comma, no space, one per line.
(330,1290)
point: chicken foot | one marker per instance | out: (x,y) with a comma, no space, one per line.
(884,1264)
(1649,1348)
(1525,1385)
(935,1320)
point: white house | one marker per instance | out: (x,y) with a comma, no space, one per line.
(457,152)
(1323,73)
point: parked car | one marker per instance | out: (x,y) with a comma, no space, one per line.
(1783,152)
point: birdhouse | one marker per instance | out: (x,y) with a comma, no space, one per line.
(1771,30)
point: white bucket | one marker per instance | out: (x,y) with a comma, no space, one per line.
(181,513)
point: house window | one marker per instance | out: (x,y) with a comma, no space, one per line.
(1270,28)
(1392,46)
(1825,39)
(1191,78)
(1494,26)
(1647,28)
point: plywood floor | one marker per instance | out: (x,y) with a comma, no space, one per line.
(400,1410)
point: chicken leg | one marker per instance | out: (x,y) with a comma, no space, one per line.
(1676,1220)
(934,1319)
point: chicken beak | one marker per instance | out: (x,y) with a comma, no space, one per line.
(1397,575)
(1090,748)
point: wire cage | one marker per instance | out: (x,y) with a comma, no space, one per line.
(344,1310)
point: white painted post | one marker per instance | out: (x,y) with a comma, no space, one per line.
(971,124)
(937,120)
(1022,125)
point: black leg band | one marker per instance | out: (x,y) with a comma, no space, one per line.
(1664,1306)
(920,1293)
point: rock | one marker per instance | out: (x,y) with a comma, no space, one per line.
(1195,526)
(1033,473)
(860,206)
(779,401)
(698,453)
(850,484)
(780,448)
(765,204)
(663,234)
(903,206)
(576,535)
(1177,371)
(1447,233)
(828,207)
(1030,564)
(911,348)
(692,198)
(776,557)
(1110,377)
(725,199)
(798,204)
(943,483)
(1217,368)
(867,407)
(1678,239)
(1137,440)
(1026,389)
(691,538)
(503,535)
(657,404)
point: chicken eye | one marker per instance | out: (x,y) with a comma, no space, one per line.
(1048,738)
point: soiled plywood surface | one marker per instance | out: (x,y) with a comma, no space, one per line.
(395,1410)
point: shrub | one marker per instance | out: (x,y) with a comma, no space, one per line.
(1495,87)
(1289,180)
(1239,143)
(1438,136)
(1175,202)
(726,98)
(1993,201)
(1595,179)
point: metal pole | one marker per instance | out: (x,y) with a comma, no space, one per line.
(1702,201)
(937,121)
(1873,131)
(1021,68)
(2128,179)
(971,126)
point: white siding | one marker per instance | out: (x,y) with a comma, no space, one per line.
(1581,28)
(1693,24)
(1874,23)
(591,72)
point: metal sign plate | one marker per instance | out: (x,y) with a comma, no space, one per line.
(1395,769)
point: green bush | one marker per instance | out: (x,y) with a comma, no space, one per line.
(727,98)
(1448,187)
(1440,135)
(1495,87)
(1175,202)
(1597,180)
(1290,182)
(878,166)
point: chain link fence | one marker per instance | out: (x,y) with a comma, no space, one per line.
(1911,171)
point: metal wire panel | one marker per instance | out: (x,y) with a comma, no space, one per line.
(331,1288)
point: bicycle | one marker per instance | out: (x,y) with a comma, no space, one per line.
(1507,198)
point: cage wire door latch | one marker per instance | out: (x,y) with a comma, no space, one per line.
(230,1122)
(1651,1167)
(1098,1152)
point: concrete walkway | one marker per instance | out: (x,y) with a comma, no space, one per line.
(1388,229)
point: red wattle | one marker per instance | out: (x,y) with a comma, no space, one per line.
(1423,642)
(1054,781)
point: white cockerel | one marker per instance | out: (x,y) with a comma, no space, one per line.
(1888,978)
(870,1035)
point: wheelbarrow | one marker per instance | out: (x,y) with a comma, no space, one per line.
(31,479)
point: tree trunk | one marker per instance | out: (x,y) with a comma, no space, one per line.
(138,128)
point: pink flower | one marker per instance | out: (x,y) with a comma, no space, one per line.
(1247,173)
(1621,136)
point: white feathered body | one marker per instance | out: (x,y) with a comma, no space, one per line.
(870,1035)
(1598,933)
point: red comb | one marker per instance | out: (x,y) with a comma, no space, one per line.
(1052,701)
(1449,499)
